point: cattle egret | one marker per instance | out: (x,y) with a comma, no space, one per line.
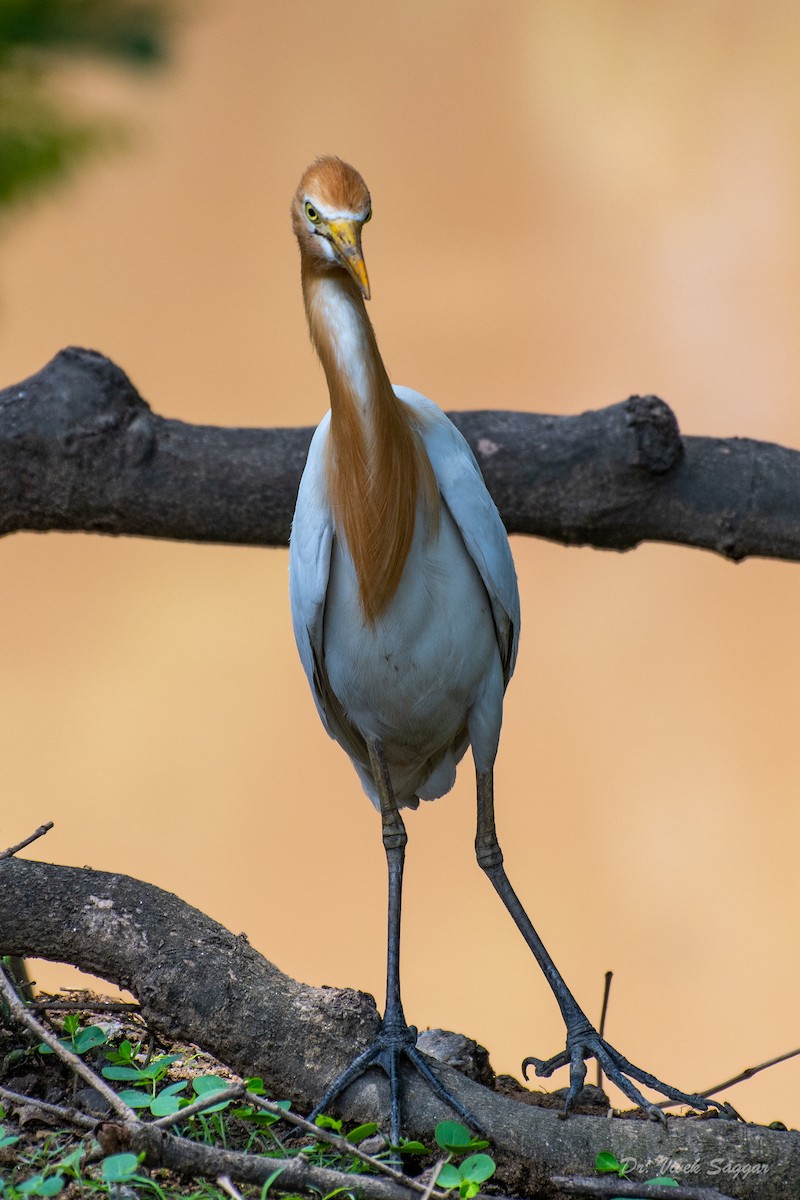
(406,612)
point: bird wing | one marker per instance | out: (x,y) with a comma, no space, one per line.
(310,549)
(464,492)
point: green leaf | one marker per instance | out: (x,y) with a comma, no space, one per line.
(478,1168)
(158,1066)
(88,1038)
(122,1073)
(607,1162)
(323,1121)
(449,1176)
(453,1136)
(207,1085)
(125,1054)
(255,1085)
(256,1116)
(7,1139)
(118,1168)
(164,1104)
(71,1023)
(412,1147)
(361,1132)
(51,1186)
(468,1189)
(135,1099)
(41,1185)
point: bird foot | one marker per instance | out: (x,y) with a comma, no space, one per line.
(396,1040)
(585,1042)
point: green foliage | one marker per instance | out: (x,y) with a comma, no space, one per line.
(7,1139)
(41,142)
(132,31)
(120,1168)
(148,1082)
(37,1185)
(78,1038)
(468,1175)
(456,1138)
(607,1163)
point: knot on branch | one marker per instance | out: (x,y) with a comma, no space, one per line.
(97,401)
(658,445)
(69,433)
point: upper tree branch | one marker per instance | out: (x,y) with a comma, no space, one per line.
(81,450)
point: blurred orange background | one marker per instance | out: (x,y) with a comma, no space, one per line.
(573,202)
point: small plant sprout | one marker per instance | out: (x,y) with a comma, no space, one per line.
(78,1038)
(608,1164)
(147,1077)
(468,1175)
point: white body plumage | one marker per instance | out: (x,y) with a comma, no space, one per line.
(428,677)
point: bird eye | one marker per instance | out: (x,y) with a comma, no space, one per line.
(368,217)
(312,213)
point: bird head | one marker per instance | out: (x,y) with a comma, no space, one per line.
(329,208)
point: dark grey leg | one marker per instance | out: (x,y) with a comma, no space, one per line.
(396,1038)
(583,1040)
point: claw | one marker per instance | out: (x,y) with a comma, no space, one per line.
(544,1068)
(393,1043)
(616,1068)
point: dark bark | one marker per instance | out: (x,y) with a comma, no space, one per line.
(199,983)
(81,450)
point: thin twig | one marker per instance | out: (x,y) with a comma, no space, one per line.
(601,1029)
(25,1017)
(82,1120)
(592,1186)
(40,832)
(234,1092)
(431,1184)
(749,1072)
(110,1006)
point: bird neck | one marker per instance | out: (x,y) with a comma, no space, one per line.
(377,468)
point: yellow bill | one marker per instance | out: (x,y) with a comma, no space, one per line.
(346,238)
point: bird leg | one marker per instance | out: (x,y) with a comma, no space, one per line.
(583,1040)
(396,1038)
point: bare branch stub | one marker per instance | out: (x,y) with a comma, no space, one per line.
(81,450)
(37,833)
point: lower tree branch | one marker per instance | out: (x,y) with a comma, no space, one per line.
(81,450)
(199,983)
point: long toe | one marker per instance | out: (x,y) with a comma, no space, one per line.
(392,1044)
(617,1069)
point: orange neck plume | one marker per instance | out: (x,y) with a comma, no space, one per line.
(377,467)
